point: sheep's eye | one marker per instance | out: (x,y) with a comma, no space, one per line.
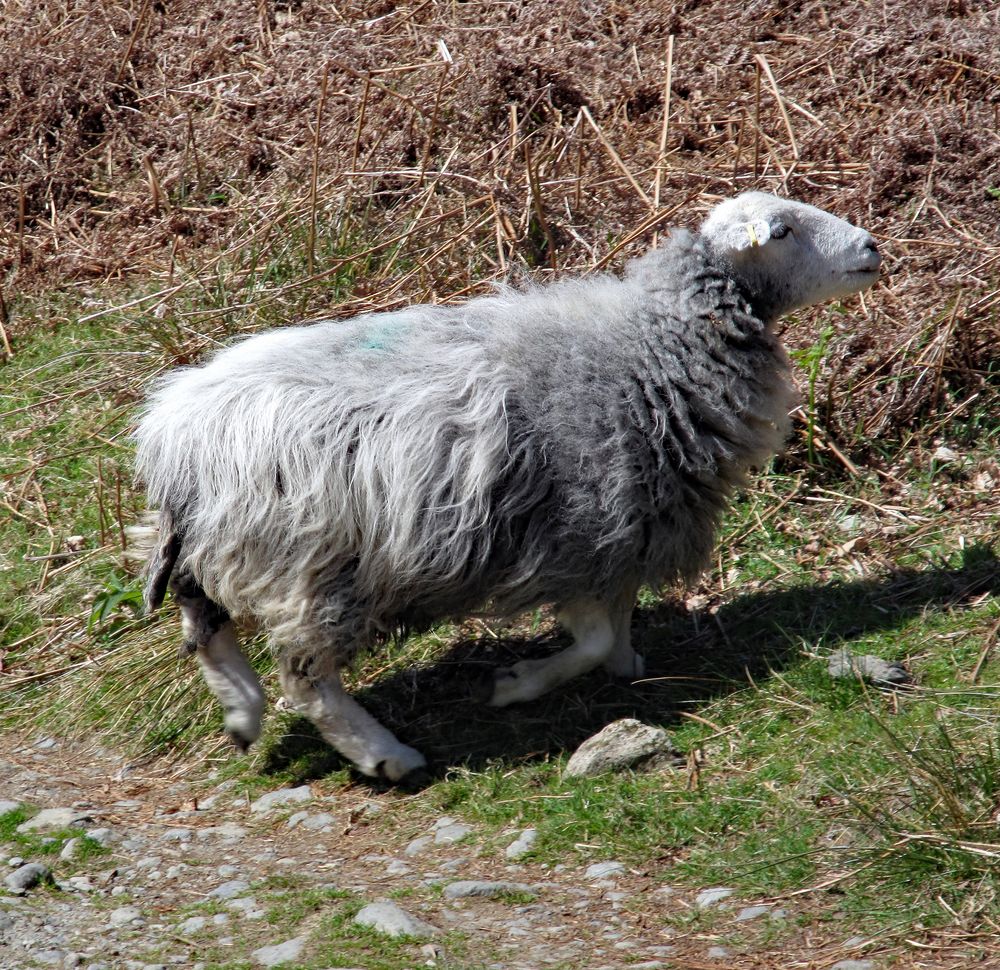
(780,231)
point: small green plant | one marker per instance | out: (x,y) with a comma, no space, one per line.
(810,359)
(117,593)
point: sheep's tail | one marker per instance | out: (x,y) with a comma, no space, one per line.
(156,540)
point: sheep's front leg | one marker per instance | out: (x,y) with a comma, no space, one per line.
(345,725)
(210,636)
(592,624)
(624,661)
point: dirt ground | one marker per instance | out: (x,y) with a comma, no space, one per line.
(174,837)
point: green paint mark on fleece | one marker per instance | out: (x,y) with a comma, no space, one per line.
(382,336)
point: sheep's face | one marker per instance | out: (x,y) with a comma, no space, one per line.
(788,254)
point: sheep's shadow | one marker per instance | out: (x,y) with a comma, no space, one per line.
(691,657)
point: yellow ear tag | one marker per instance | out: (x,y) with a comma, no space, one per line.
(754,241)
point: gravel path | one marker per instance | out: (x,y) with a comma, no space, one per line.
(174,873)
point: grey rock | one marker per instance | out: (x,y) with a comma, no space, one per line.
(101,836)
(448,834)
(279,953)
(148,862)
(388,918)
(418,845)
(281,798)
(242,904)
(944,454)
(712,897)
(296,819)
(854,965)
(54,818)
(6,921)
(719,953)
(124,916)
(27,877)
(177,835)
(228,832)
(397,868)
(842,664)
(193,924)
(231,889)
(15,861)
(488,890)
(604,870)
(621,746)
(70,849)
(752,912)
(522,845)
(51,958)
(227,871)
(321,822)
(7,806)
(77,884)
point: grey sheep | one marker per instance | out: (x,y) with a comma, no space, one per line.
(344,482)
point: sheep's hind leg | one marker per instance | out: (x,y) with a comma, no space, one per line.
(345,724)
(210,636)
(593,626)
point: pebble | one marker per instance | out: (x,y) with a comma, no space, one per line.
(489,890)
(854,965)
(54,818)
(388,918)
(752,912)
(7,806)
(272,956)
(27,877)
(231,889)
(712,897)
(281,798)
(125,915)
(451,833)
(719,953)
(522,845)
(604,870)
(622,745)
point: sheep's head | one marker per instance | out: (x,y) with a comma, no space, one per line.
(787,254)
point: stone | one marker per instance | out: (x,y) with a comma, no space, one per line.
(623,745)
(296,819)
(281,798)
(489,890)
(388,918)
(7,806)
(54,818)
(712,897)
(854,965)
(231,889)
(719,953)
(604,870)
(177,835)
(944,454)
(752,912)
(228,832)
(522,845)
(70,849)
(124,915)
(193,924)
(447,834)
(842,664)
(418,845)
(279,953)
(320,822)
(397,868)
(27,877)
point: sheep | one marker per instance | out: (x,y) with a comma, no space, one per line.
(344,482)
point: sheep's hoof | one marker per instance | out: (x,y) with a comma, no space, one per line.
(239,741)
(518,683)
(403,763)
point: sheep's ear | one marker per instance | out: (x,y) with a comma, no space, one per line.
(746,235)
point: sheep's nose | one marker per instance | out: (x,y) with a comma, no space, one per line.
(871,245)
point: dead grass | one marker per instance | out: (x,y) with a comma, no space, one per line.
(471,140)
